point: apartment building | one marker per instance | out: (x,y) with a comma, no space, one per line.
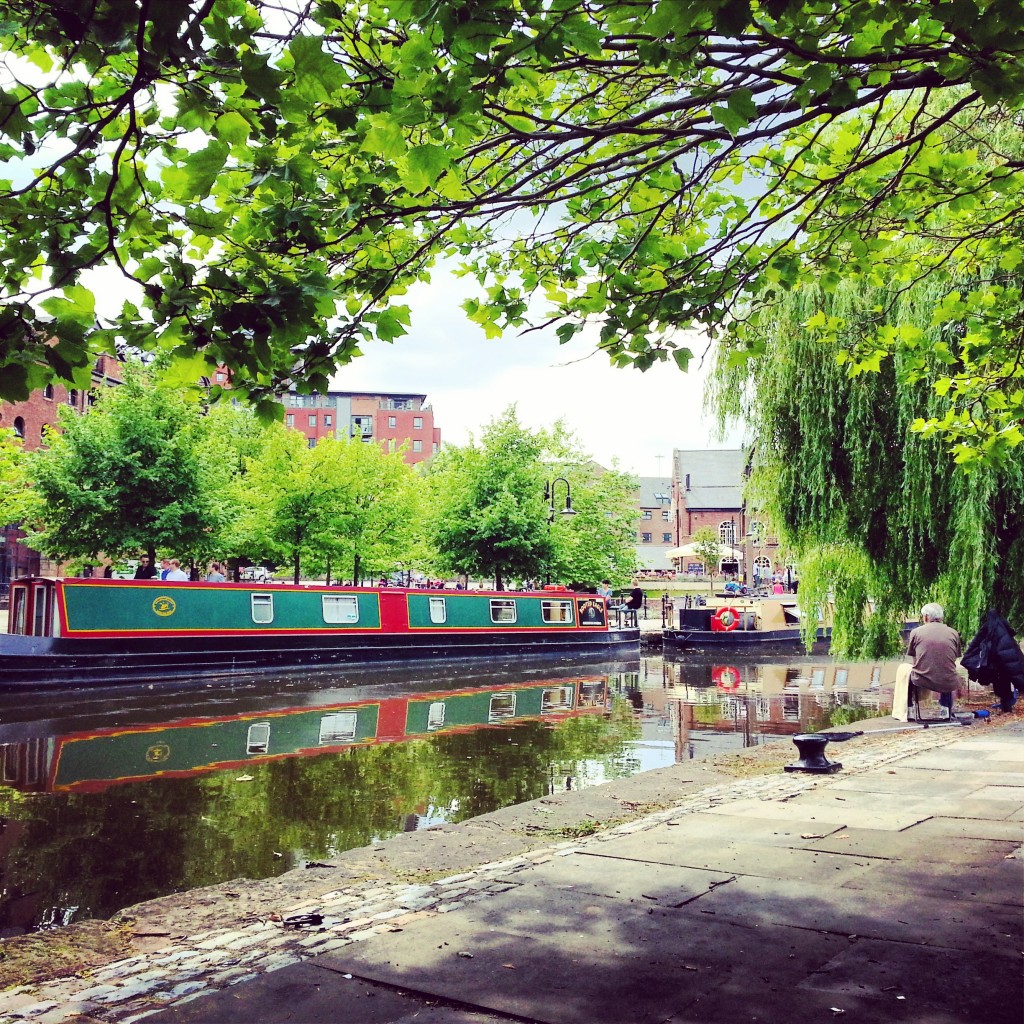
(389,419)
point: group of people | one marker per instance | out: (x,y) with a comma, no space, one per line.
(993,658)
(170,570)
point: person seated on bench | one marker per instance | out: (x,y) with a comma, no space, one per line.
(935,649)
(631,605)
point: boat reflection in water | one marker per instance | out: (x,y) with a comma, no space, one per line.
(90,759)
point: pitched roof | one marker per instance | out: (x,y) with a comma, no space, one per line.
(715,477)
(649,490)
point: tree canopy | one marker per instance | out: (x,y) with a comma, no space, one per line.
(268,178)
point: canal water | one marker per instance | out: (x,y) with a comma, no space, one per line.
(115,797)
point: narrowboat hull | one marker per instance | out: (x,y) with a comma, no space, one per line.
(103,632)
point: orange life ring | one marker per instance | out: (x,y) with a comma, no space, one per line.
(725,619)
(726,677)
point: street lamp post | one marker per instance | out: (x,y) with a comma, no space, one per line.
(549,497)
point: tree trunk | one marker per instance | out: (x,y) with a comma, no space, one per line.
(499,583)
(355,571)
(295,560)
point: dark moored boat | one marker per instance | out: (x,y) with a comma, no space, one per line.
(86,632)
(741,624)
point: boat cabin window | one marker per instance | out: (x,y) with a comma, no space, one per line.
(262,608)
(503,706)
(18,612)
(338,727)
(40,608)
(438,610)
(556,611)
(340,607)
(503,611)
(435,715)
(258,740)
(558,698)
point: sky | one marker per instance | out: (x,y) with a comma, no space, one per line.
(617,414)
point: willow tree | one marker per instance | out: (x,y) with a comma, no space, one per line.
(873,508)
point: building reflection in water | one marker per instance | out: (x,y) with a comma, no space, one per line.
(693,706)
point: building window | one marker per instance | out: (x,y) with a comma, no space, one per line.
(19,427)
(727,532)
(72,398)
(392,421)
(312,419)
(290,419)
(646,538)
(312,442)
(417,423)
(556,611)
(417,446)
(646,514)
(666,538)
(262,608)
(221,377)
(662,499)
(328,420)
(48,392)
(758,533)
(438,610)
(435,447)
(392,445)
(665,514)
(339,727)
(340,608)
(503,611)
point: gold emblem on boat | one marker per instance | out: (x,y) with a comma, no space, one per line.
(164,606)
(157,753)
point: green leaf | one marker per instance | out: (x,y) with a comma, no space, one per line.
(231,128)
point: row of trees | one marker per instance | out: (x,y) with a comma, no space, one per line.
(152,469)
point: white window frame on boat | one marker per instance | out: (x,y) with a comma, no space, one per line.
(558,698)
(549,606)
(502,707)
(254,746)
(501,605)
(329,733)
(262,602)
(435,715)
(344,608)
(438,610)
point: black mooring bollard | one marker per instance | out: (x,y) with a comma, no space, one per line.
(811,747)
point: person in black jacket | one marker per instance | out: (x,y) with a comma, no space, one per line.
(994,658)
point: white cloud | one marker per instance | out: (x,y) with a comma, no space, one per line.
(637,418)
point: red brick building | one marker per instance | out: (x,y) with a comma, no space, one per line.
(386,418)
(707,490)
(29,420)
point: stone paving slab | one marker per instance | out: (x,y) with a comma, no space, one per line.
(310,993)
(941,828)
(733,858)
(911,844)
(565,959)
(872,814)
(644,883)
(948,990)
(899,914)
(1001,883)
